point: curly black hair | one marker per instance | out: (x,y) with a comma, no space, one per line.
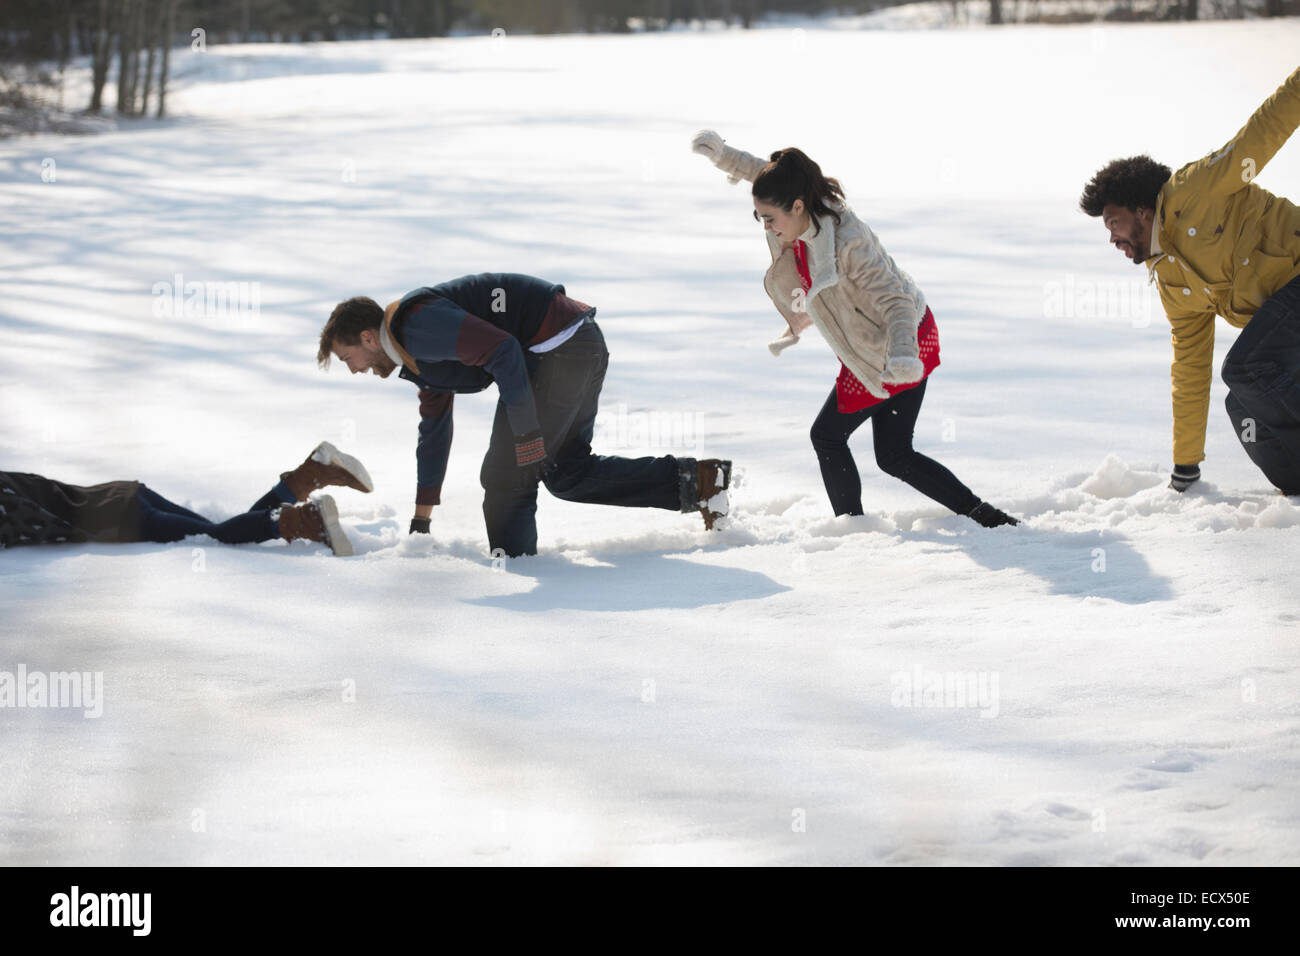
(1133,183)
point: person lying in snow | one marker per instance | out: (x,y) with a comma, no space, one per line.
(39,510)
(829,270)
(548,359)
(1218,244)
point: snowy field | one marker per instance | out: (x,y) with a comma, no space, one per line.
(644,692)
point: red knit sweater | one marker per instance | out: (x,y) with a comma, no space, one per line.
(850,394)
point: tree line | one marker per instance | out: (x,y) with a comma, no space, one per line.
(137,36)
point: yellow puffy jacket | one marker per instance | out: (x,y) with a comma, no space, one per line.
(1222,245)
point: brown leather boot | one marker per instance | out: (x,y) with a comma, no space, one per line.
(316,520)
(714,479)
(326,465)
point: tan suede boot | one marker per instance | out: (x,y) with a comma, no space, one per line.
(714,479)
(316,520)
(326,465)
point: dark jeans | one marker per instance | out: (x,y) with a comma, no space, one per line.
(566,386)
(1261,371)
(893,421)
(162,520)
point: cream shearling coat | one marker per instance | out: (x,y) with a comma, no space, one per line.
(866,308)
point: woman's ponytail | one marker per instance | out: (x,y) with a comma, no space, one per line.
(792,175)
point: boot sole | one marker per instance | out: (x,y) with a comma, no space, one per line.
(335,536)
(327,454)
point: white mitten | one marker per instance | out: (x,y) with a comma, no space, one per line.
(902,370)
(710,145)
(787,339)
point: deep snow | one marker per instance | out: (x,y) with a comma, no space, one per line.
(643,691)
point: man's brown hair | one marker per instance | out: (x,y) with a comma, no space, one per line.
(349,319)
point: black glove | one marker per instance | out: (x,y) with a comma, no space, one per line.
(419,526)
(1183,477)
(530,456)
(989,516)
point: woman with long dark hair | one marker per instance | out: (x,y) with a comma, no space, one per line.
(829,270)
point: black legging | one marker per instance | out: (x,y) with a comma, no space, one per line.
(895,418)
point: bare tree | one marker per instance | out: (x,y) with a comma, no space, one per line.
(153,29)
(125,49)
(169,33)
(100,56)
(137,38)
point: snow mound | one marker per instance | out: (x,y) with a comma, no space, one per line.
(1280,514)
(1116,479)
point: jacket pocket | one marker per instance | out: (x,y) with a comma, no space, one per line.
(1179,299)
(872,353)
(873,322)
(1258,276)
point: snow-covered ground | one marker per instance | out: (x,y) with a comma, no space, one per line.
(644,692)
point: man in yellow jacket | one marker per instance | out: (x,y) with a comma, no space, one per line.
(1217,244)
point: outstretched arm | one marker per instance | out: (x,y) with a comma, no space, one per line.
(736,163)
(1229,169)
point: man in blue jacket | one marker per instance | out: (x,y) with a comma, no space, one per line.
(548,359)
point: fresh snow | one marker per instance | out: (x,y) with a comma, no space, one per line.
(779,691)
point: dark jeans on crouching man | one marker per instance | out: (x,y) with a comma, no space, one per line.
(1261,371)
(566,387)
(893,422)
(162,520)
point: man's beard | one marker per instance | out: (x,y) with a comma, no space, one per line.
(1141,250)
(1140,254)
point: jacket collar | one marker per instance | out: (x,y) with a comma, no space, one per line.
(1157,251)
(821,252)
(392,348)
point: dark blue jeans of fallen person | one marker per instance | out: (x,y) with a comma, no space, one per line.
(566,387)
(1262,370)
(163,521)
(893,422)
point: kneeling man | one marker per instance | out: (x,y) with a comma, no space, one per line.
(548,359)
